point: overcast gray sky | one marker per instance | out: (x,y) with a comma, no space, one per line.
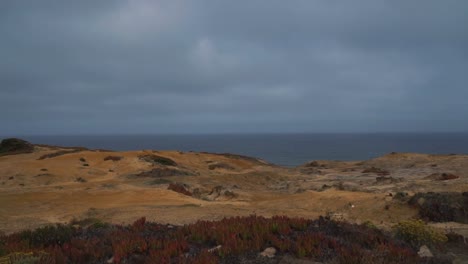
(74,67)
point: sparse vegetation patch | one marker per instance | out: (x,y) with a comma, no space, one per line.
(60,153)
(180,188)
(377,171)
(161,172)
(156,159)
(220,165)
(113,158)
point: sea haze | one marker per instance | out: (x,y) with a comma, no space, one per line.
(281,149)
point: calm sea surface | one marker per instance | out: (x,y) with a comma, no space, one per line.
(281,149)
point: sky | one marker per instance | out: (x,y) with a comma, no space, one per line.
(214,66)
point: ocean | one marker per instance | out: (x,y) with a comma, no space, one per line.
(281,149)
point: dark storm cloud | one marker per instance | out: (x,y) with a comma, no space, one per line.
(232,66)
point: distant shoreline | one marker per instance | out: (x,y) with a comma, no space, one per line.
(287,149)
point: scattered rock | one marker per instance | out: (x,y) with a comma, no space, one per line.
(268,252)
(86,165)
(425,252)
(82,159)
(11,178)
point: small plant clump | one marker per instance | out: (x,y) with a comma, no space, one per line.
(234,239)
(80,179)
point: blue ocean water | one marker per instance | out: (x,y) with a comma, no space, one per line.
(281,149)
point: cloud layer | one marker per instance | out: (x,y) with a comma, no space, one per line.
(232,66)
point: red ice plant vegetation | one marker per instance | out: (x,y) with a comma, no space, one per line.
(144,242)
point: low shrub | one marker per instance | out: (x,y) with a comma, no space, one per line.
(11,146)
(48,235)
(155,159)
(220,165)
(60,153)
(161,172)
(159,181)
(180,188)
(442,207)
(377,171)
(113,158)
(417,233)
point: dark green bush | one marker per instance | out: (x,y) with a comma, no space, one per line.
(158,160)
(11,146)
(442,207)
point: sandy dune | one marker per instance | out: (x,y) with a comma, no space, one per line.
(82,184)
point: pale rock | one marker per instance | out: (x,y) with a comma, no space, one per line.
(268,252)
(425,252)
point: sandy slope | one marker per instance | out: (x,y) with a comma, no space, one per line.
(35,192)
